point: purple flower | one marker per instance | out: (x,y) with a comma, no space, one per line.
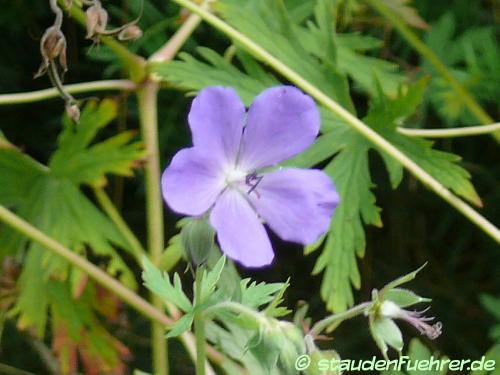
(222,174)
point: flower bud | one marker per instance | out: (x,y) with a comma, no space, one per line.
(197,239)
(131,32)
(291,347)
(73,112)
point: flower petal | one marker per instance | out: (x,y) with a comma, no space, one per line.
(282,121)
(240,233)
(192,182)
(297,204)
(216,119)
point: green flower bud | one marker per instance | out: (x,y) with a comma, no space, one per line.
(197,238)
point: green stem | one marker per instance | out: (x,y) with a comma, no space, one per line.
(103,279)
(321,325)
(199,325)
(434,60)
(170,49)
(148,115)
(450,132)
(148,112)
(234,307)
(137,250)
(261,54)
(78,88)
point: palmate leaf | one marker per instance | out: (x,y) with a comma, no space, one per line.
(50,199)
(385,115)
(83,164)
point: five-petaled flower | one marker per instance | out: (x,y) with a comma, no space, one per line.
(230,172)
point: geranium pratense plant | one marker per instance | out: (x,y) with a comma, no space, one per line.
(230,173)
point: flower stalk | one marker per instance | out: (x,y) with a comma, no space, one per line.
(451,132)
(336,319)
(199,325)
(148,115)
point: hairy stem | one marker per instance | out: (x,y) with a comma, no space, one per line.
(148,115)
(199,325)
(465,131)
(261,54)
(107,205)
(170,49)
(321,325)
(78,88)
(434,60)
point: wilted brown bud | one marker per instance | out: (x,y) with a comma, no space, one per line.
(52,45)
(97,20)
(73,112)
(131,32)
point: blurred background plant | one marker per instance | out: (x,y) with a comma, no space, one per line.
(368,62)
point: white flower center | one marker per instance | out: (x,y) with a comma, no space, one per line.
(235,176)
(389,309)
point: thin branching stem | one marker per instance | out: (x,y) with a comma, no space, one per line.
(120,223)
(323,324)
(465,131)
(261,54)
(78,88)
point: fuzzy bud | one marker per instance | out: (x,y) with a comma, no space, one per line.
(73,112)
(131,32)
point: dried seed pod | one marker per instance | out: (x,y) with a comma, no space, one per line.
(97,21)
(131,32)
(52,45)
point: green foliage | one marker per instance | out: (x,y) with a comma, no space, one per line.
(80,163)
(325,59)
(473,58)
(50,199)
(160,284)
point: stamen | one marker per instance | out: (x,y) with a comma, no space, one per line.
(253,181)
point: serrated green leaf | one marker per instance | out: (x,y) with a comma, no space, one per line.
(209,279)
(254,295)
(346,238)
(385,115)
(57,207)
(192,74)
(84,164)
(274,309)
(180,326)
(160,284)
